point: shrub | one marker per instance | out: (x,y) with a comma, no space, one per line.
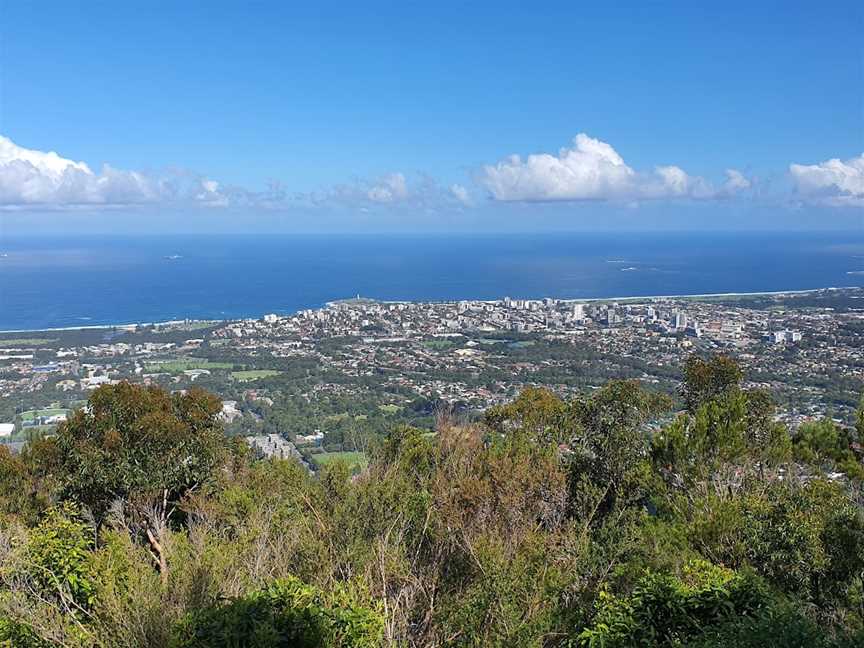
(663,610)
(286,613)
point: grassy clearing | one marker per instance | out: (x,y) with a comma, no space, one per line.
(254,374)
(48,411)
(34,431)
(438,345)
(179,366)
(16,342)
(390,408)
(191,326)
(336,418)
(353,459)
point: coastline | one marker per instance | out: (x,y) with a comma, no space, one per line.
(697,296)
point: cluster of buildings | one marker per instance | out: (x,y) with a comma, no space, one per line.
(478,352)
(454,350)
(370,319)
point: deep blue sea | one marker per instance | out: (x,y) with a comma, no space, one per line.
(58,282)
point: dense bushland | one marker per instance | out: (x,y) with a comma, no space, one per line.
(552,523)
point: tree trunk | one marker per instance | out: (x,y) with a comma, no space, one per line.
(158,556)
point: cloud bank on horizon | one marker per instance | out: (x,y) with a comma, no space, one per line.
(38,179)
(590,170)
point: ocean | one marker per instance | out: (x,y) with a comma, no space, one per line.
(85,281)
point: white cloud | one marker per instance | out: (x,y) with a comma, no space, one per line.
(391,188)
(461,194)
(590,170)
(835,182)
(393,191)
(31,178)
(49,163)
(736,181)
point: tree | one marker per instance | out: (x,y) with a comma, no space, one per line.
(546,525)
(736,427)
(537,412)
(140,449)
(825,442)
(705,380)
(13,483)
(609,443)
(859,419)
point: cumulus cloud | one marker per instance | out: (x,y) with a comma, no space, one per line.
(31,178)
(736,181)
(393,191)
(461,194)
(588,170)
(835,183)
(591,170)
(391,188)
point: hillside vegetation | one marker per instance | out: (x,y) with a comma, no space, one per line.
(607,520)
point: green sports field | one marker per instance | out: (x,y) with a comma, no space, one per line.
(49,411)
(179,366)
(24,342)
(353,459)
(254,374)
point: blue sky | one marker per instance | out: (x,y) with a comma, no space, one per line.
(368,114)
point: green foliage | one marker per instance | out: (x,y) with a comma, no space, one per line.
(663,610)
(139,441)
(735,427)
(696,443)
(13,484)
(514,603)
(807,540)
(859,419)
(824,442)
(48,583)
(58,558)
(285,613)
(551,522)
(537,412)
(778,625)
(607,452)
(18,635)
(705,380)
(410,448)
